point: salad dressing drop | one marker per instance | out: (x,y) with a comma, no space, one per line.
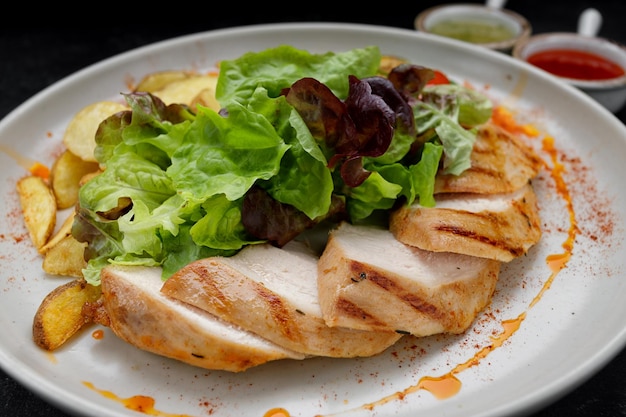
(140,403)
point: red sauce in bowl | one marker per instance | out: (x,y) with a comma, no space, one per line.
(576,64)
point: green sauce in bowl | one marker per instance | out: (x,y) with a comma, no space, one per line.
(473,31)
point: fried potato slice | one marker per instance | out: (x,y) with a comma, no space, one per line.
(80,134)
(185,90)
(39,208)
(64,230)
(65,258)
(59,315)
(158,80)
(65,175)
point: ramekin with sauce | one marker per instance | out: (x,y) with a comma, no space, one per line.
(494,28)
(595,65)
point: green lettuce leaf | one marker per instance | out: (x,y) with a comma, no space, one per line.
(451,111)
(278,68)
(225,155)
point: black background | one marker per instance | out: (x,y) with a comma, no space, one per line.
(32,58)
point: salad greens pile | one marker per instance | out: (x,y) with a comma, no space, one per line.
(301,138)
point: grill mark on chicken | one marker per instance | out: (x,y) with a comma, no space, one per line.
(369,280)
(417,301)
(280,314)
(498,223)
(468,234)
(194,274)
(353,311)
(495,226)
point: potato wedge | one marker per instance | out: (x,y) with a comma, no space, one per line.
(80,134)
(65,175)
(64,231)
(158,80)
(59,315)
(39,208)
(185,90)
(65,258)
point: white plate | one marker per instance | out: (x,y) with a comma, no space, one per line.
(577,325)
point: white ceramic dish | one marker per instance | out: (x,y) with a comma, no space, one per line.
(570,325)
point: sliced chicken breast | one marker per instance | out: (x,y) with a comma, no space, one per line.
(368,280)
(501,163)
(273,292)
(141,315)
(496,226)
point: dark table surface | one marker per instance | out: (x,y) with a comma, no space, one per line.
(33,58)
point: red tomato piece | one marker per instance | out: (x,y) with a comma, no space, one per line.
(439,78)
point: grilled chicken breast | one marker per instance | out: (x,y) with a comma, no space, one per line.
(368,280)
(431,272)
(141,315)
(501,163)
(495,226)
(273,292)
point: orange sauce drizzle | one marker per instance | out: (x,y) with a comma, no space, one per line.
(503,117)
(139,403)
(98,334)
(40,170)
(276,412)
(52,357)
(448,385)
(34,167)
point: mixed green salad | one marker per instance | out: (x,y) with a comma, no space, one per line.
(301,138)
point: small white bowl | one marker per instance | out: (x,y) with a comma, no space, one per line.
(610,92)
(494,28)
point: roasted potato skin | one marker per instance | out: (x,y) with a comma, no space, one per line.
(60,316)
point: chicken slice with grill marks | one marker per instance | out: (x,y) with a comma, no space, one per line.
(141,315)
(495,226)
(501,163)
(369,280)
(273,292)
